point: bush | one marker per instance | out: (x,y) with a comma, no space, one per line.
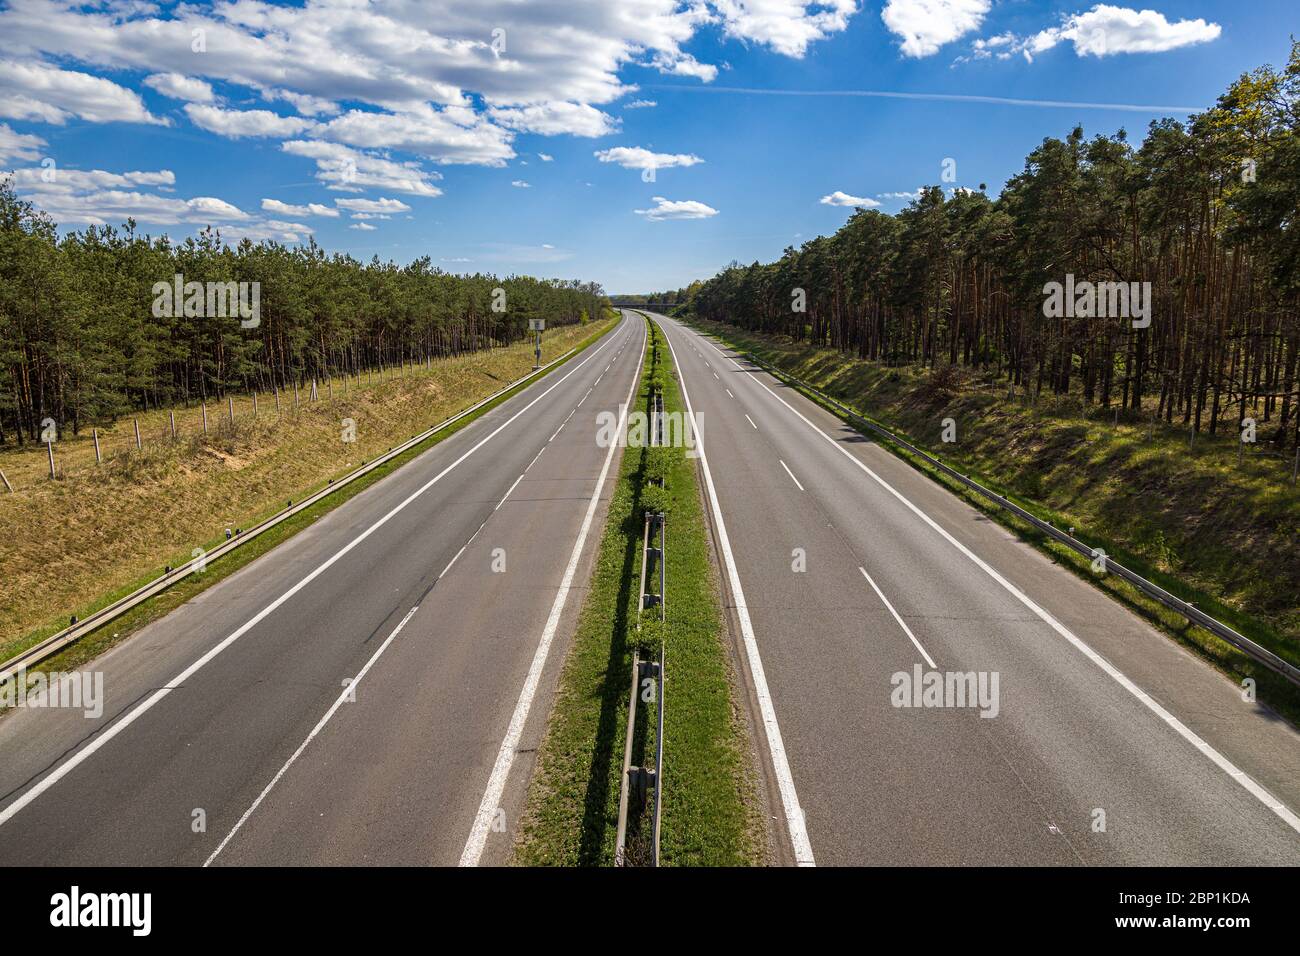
(658,462)
(655,499)
(647,634)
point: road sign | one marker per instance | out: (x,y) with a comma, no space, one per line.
(537,325)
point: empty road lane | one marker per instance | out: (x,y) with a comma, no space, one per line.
(1088,738)
(346,698)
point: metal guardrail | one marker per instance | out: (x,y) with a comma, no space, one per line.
(638,780)
(79,629)
(1260,654)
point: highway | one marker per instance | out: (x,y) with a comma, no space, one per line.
(1106,744)
(370,692)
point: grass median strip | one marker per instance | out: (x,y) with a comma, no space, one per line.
(490,378)
(711,813)
(1103,516)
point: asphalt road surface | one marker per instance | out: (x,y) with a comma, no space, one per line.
(1110,744)
(444,596)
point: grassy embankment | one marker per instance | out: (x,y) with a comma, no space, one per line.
(75,544)
(1217,532)
(711,815)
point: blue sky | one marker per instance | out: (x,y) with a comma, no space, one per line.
(408,128)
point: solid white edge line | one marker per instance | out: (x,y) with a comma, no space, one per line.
(505,759)
(897,617)
(1222,762)
(794,818)
(148,703)
(320,725)
(791,474)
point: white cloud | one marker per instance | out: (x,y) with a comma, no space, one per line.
(901,195)
(180,87)
(75,197)
(58,179)
(18,146)
(311,209)
(635,157)
(520,184)
(1105,30)
(351,170)
(787,26)
(416,77)
(552,119)
(926,25)
(454,134)
(272,229)
(683,64)
(98,197)
(396,56)
(840,198)
(304,103)
(38,91)
(363,226)
(676,209)
(545,158)
(213,208)
(236,124)
(639,105)
(380,205)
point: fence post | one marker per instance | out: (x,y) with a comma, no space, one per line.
(204,406)
(6,481)
(138,445)
(49,447)
(95,434)
(255,404)
(172,416)
(230,404)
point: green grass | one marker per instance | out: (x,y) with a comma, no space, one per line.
(98,641)
(1146,501)
(711,814)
